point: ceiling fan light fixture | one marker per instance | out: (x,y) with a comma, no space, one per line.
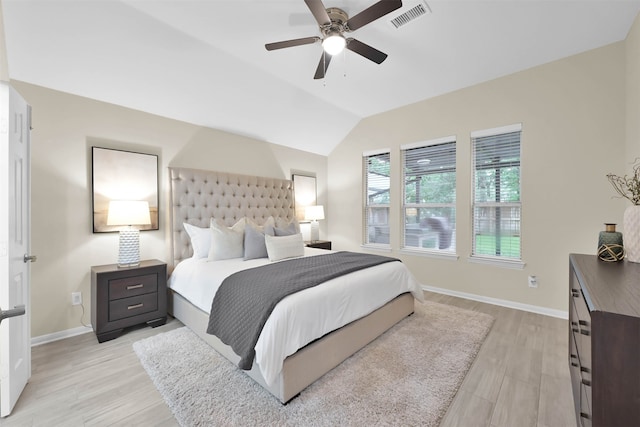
(334,43)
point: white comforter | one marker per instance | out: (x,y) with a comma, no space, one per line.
(304,316)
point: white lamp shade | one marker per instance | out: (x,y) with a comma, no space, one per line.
(314,213)
(128,212)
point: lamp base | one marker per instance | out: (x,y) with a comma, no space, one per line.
(315,231)
(129,250)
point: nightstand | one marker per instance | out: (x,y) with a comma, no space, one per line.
(320,244)
(123,297)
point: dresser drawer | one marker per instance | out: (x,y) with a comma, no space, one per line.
(132,286)
(581,327)
(574,370)
(585,407)
(132,306)
(578,299)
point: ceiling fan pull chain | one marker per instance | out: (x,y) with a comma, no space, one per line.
(344,56)
(324,67)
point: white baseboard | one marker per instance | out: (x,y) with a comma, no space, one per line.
(501,302)
(44,339)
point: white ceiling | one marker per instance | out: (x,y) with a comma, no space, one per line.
(204,61)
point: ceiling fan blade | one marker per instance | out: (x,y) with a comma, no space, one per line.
(322,66)
(291,43)
(372,13)
(319,11)
(365,50)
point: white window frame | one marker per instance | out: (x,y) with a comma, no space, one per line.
(366,205)
(449,252)
(503,261)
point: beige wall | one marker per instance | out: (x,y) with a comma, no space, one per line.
(633,92)
(573,119)
(65,128)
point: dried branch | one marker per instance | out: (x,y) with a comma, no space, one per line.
(628,186)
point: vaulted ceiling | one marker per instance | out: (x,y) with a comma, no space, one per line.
(204,61)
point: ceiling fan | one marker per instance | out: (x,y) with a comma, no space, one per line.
(334,23)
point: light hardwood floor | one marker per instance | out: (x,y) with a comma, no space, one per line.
(519,378)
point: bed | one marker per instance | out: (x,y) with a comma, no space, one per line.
(196,197)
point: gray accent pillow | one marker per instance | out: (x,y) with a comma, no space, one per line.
(254,244)
(287,231)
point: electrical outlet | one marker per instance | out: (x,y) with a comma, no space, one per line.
(76,298)
(533,281)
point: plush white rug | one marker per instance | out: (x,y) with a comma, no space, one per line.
(408,376)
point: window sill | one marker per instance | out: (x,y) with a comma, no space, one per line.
(449,256)
(377,247)
(498,262)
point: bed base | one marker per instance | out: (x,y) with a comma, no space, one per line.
(312,361)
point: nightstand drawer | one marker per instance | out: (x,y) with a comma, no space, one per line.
(132,286)
(133,306)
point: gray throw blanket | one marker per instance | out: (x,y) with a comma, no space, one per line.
(245,299)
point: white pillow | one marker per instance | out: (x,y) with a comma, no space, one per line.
(282,247)
(200,240)
(226,242)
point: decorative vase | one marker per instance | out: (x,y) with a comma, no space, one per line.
(610,244)
(631,224)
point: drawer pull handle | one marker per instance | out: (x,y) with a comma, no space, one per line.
(586,370)
(586,382)
(573,356)
(583,332)
(133,307)
(138,286)
(574,364)
(575,293)
(583,322)
(583,415)
(575,329)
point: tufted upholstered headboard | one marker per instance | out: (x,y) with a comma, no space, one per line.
(199,195)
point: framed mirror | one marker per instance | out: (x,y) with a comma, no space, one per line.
(122,175)
(304,193)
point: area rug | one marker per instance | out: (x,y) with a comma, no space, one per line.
(408,376)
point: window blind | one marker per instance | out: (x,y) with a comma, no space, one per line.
(429,176)
(496,195)
(377,180)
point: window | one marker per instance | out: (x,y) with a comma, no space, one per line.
(496,193)
(376,198)
(429,210)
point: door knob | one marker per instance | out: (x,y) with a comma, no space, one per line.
(17,311)
(31,258)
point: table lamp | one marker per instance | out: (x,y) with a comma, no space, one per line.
(129,213)
(313,214)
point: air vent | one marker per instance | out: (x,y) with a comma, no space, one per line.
(411,14)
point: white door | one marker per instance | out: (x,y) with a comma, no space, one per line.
(15,330)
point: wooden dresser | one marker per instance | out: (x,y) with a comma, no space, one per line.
(123,297)
(604,341)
